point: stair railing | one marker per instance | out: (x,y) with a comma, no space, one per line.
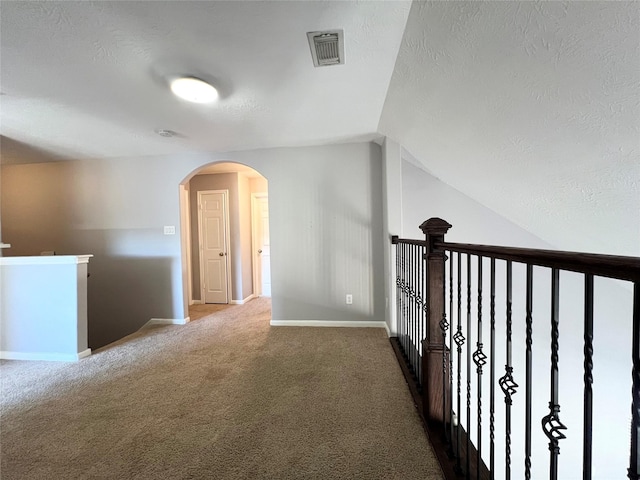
(444,359)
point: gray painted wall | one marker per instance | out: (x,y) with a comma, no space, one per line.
(325,219)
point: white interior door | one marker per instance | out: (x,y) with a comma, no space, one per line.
(262,246)
(213,246)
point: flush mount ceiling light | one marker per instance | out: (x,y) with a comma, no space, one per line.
(194,90)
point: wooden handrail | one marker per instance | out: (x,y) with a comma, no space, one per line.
(611,266)
(395,240)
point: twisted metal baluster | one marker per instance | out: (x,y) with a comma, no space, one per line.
(412,304)
(480,359)
(551,424)
(416,309)
(588,377)
(492,392)
(444,326)
(419,296)
(451,452)
(634,456)
(400,272)
(507,384)
(528,380)
(468,457)
(407,304)
(459,339)
(399,291)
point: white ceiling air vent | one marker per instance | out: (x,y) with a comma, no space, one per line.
(327,48)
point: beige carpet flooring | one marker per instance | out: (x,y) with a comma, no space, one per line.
(223,397)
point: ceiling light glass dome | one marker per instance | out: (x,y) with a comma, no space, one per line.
(194,90)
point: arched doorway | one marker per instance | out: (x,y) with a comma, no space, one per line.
(224,227)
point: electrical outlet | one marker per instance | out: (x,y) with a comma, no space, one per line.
(349,299)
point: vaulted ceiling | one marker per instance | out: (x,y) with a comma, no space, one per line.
(531,108)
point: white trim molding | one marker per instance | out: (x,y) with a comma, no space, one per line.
(327,323)
(54,357)
(168,321)
(46,260)
(242,302)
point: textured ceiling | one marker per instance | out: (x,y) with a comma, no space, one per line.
(531,108)
(89,79)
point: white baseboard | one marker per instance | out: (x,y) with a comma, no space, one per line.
(327,323)
(168,321)
(54,357)
(196,302)
(242,302)
(386,327)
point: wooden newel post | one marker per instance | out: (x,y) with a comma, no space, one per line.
(435,364)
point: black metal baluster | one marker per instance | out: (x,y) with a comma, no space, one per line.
(420,299)
(528,374)
(416,315)
(634,457)
(423,320)
(480,359)
(401,293)
(418,311)
(425,297)
(412,298)
(406,302)
(397,272)
(492,391)
(459,339)
(419,293)
(444,326)
(588,377)
(507,384)
(451,452)
(551,424)
(468,459)
(407,289)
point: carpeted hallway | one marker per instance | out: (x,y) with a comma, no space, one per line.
(224,397)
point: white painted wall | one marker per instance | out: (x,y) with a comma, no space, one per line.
(43,308)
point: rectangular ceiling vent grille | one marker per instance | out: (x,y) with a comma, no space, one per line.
(327,48)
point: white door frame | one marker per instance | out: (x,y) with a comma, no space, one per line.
(225,194)
(185,239)
(257,286)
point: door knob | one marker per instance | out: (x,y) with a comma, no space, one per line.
(259,251)
(221,254)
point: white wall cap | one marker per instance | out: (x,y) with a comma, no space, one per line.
(46,260)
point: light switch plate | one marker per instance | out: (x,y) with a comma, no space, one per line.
(169,230)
